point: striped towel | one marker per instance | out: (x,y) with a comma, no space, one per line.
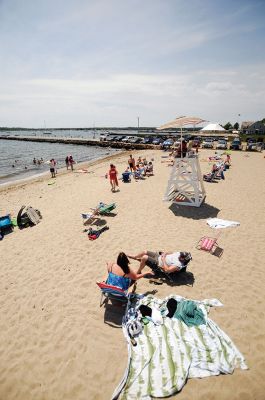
(167,355)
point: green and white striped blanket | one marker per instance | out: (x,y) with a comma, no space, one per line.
(167,355)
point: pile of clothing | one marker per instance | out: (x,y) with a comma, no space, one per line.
(94,234)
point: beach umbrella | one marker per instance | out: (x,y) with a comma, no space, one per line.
(179,122)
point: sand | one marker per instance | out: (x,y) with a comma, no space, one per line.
(54,343)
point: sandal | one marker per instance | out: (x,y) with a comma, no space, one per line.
(156,281)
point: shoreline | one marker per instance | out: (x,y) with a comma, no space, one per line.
(61,171)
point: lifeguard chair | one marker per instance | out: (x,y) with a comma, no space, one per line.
(185,185)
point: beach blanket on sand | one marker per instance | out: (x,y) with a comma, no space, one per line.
(166,355)
(218,223)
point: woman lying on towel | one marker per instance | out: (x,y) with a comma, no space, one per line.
(121,269)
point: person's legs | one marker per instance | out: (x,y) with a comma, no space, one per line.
(149,258)
(143,261)
(138,256)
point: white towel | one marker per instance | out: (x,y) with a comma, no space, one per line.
(221,223)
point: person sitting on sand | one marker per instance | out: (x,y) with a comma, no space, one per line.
(149,169)
(121,268)
(139,172)
(167,262)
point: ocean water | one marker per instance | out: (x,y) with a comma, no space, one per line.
(16,157)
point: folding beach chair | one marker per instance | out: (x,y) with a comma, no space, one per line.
(104,209)
(110,292)
(90,218)
(126,177)
(28,216)
(210,245)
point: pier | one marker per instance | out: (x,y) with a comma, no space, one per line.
(80,141)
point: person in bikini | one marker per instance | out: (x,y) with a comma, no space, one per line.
(121,268)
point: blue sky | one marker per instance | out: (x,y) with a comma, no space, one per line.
(76,63)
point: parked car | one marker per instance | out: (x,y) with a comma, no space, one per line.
(148,139)
(208,143)
(157,140)
(110,138)
(236,144)
(221,144)
(253,145)
(103,137)
(135,139)
(167,143)
(126,139)
(118,138)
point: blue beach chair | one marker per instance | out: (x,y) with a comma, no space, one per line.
(114,288)
(126,177)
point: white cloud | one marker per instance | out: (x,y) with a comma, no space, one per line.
(118,99)
(73,63)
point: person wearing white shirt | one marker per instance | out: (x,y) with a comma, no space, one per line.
(168,262)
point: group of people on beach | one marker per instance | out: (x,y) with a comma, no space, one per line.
(158,261)
(69,162)
(138,170)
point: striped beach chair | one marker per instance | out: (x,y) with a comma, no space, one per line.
(210,245)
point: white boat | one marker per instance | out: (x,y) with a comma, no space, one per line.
(45,132)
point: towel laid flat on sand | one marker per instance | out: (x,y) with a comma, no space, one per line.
(218,223)
(166,355)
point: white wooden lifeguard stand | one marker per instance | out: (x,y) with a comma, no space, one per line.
(185,186)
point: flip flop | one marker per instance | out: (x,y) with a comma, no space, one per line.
(156,281)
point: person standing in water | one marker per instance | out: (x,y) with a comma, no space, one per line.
(71,162)
(67,162)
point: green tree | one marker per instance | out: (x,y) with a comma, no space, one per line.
(236,126)
(228,126)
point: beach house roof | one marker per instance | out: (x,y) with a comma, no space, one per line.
(246,124)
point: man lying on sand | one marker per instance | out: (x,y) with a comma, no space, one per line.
(167,262)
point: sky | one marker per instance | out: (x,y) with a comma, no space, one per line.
(85,63)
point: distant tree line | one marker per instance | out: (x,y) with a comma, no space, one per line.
(228,126)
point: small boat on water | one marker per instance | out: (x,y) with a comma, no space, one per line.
(45,132)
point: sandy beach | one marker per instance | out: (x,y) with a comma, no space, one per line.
(54,344)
